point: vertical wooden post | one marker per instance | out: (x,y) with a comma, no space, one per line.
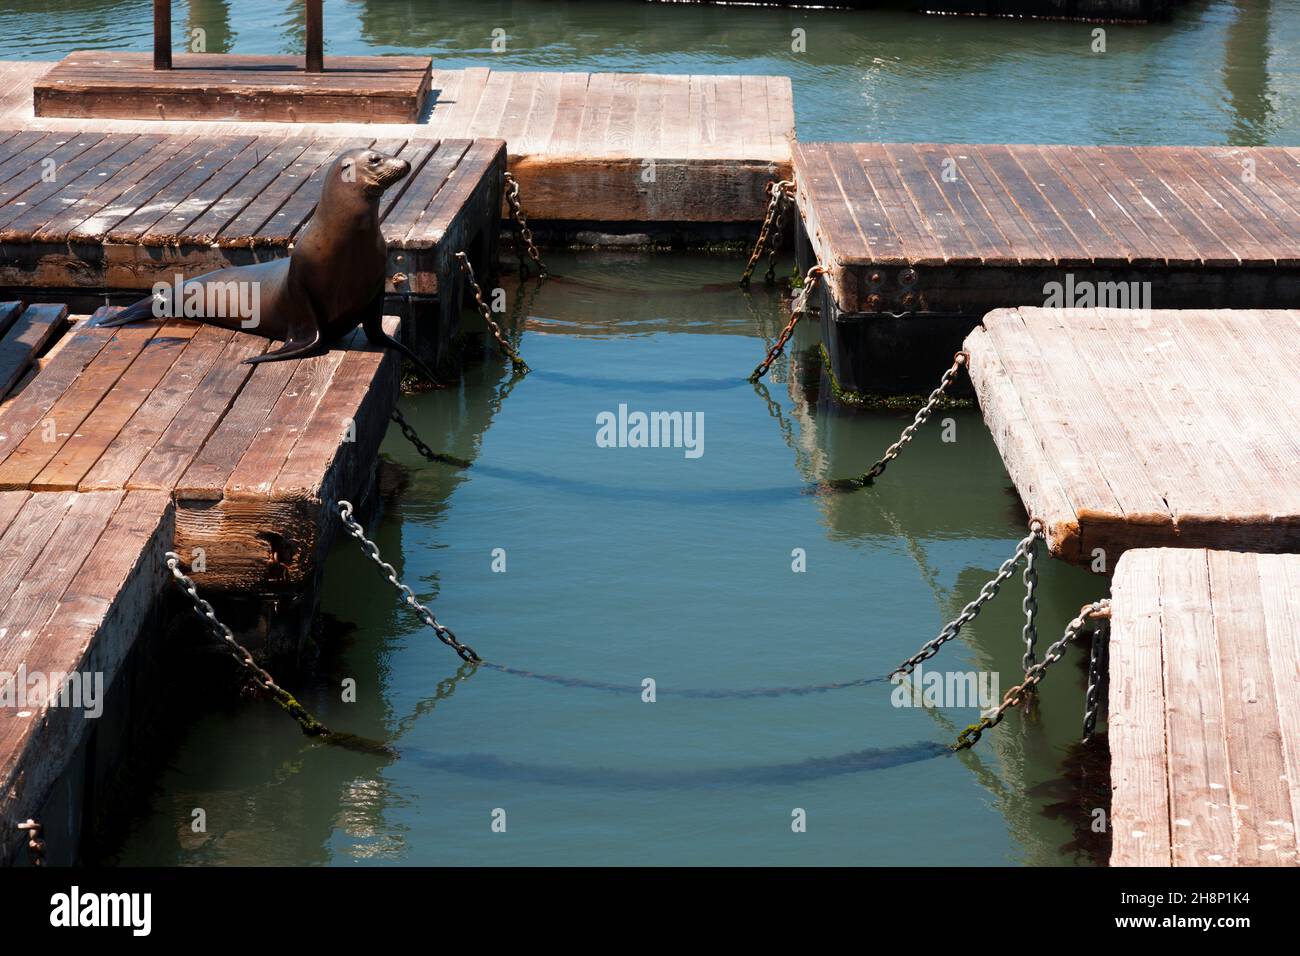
(315,37)
(162,34)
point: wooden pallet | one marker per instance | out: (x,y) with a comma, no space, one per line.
(254,456)
(587,147)
(1124,429)
(1204,708)
(79,573)
(127,210)
(96,84)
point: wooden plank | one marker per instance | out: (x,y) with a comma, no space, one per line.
(205,479)
(26,460)
(1279,579)
(1261,802)
(102,426)
(1135,716)
(151,420)
(178,445)
(25,338)
(1199,770)
(258,467)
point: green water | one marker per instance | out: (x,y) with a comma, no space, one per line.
(631,563)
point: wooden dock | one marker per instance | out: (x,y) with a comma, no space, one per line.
(1204,708)
(253,456)
(81,574)
(588,148)
(1126,429)
(97,84)
(127,210)
(922,239)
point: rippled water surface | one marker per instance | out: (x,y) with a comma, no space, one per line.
(624,564)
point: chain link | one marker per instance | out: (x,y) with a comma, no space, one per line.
(35,845)
(516,361)
(420,446)
(1033,676)
(922,416)
(524,234)
(796,312)
(371,549)
(1096,674)
(310,725)
(987,593)
(777,193)
(1029,633)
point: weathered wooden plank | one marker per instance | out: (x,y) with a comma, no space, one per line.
(1261,801)
(25,338)
(1135,716)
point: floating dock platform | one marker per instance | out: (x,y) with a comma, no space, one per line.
(592,151)
(921,240)
(1204,708)
(128,210)
(1127,429)
(95,84)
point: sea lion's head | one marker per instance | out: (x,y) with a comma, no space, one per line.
(372,172)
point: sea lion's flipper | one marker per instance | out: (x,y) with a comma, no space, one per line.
(292,349)
(136,312)
(373,326)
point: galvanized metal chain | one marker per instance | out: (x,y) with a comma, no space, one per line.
(516,362)
(769,233)
(309,724)
(797,310)
(922,416)
(35,845)
(420,446)
(1033,676)
(523,233)
(1096,674)
(1029,633)
(371,549)
(987,593)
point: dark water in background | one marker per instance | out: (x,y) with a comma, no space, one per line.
(1219,72)
(633,563)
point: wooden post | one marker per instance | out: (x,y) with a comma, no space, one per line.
(315,37)
(162,34)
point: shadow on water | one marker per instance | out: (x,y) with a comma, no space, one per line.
(815,768)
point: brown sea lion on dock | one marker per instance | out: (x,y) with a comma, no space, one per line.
(331,282)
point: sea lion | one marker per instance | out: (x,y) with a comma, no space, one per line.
(331,282)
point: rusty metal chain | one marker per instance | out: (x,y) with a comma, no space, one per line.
(523,233)
(922,416)
(35,845)
(1096,674)
(310,725)
(409,432)
(796,312)
(1033,676)
(987,593)
(516,361)
(371,549)
(777,196)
